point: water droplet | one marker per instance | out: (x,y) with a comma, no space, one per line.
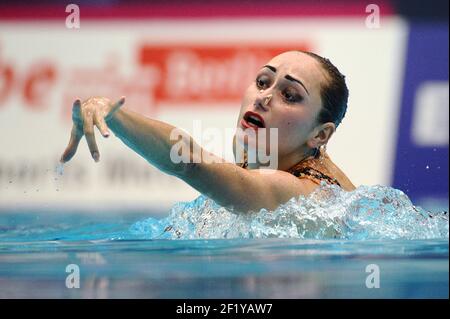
(59,169)
(10,182)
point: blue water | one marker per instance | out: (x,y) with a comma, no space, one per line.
(305,249)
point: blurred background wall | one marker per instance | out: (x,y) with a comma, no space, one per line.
(188,63)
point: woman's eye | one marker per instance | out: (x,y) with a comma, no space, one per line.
(260,83)
(290,97)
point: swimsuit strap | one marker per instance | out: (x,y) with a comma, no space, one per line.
(304,169)
(313,174)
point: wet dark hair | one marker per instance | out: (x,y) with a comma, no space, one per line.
(334,93)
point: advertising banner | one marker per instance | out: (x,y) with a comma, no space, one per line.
(182,72)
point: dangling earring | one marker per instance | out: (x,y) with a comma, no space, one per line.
(322,151)
(316,153)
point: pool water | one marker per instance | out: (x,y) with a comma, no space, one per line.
(368,243)
(114,262)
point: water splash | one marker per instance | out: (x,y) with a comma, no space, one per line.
(58,173)
(59,169)
(369,212)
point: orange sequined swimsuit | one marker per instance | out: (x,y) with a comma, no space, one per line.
(306,169)
(313,169)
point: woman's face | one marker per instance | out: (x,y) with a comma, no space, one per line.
(293,80)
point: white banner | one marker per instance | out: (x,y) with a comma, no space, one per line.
(179,72)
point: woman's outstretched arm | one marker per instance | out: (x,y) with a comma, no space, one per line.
(149,138)
(226,183)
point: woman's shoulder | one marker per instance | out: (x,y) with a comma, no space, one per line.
(283,185)
(321,169)
(343,179)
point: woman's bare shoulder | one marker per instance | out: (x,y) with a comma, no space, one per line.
(284,185)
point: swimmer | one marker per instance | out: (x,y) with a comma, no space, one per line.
(300,93)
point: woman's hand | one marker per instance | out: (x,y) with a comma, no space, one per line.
(94,111)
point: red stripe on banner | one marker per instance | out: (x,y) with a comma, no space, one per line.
(197,10)
(202,74)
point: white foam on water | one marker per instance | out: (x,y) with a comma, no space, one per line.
(369,212)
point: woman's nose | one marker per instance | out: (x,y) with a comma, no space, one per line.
(263,100)
(267,99)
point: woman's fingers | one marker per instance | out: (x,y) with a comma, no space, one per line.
(84,119)
(71,148)
(115,107)
(88,130)
(76,111)
(75,135)
(99,121)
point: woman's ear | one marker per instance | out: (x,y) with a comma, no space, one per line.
(321,134)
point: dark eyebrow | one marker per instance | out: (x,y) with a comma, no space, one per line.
(290,78)
(273,69)
(287,77)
